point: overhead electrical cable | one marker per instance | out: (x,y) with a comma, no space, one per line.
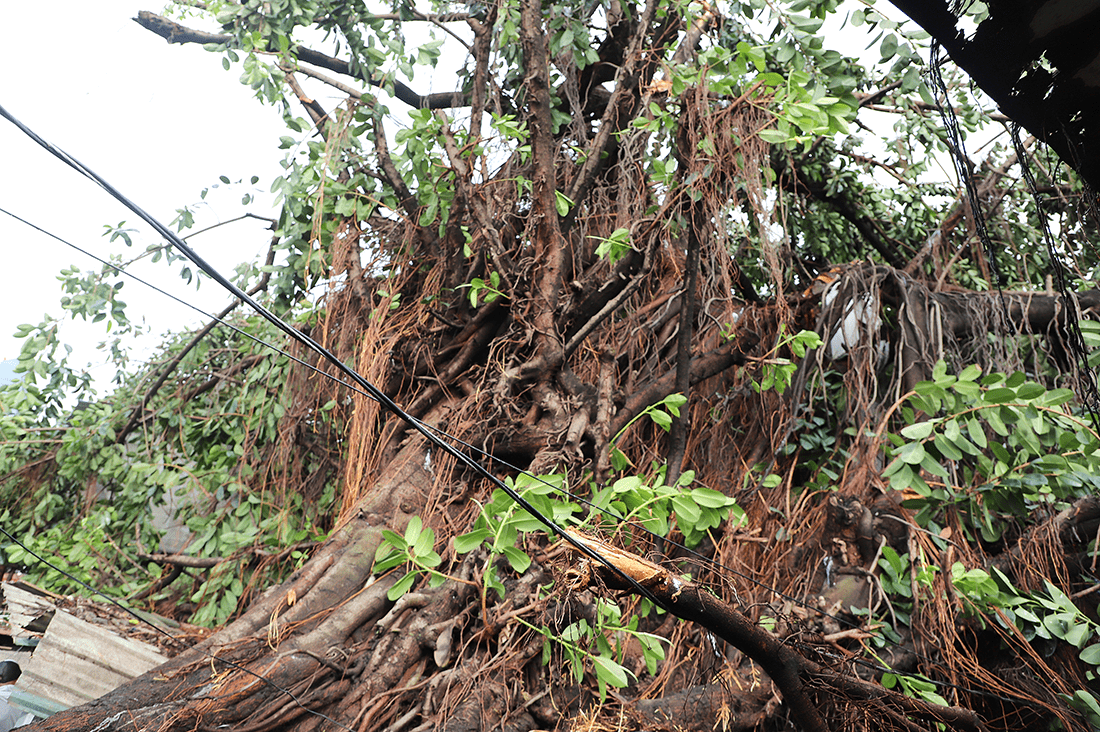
(620,519)
(317,348)
(367,389)
(1086,379)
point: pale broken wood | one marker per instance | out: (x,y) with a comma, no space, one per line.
(651,576)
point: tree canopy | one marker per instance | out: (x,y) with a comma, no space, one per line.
(685,277)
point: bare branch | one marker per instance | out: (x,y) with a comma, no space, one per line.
(335,83)
(483,46)
(547,237)
(316,112)
(173,32)
(385,160)
(613,119)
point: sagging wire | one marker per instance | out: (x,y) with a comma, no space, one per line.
(371,390)
(618,518)
(1090,396)
(1086,379)
(703,559)
(956,148)
(365,388)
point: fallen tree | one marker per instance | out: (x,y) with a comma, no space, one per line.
(553,282)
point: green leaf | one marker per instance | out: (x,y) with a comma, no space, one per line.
(402,586)
(466,543)
(413,529)
(1055,397)
(1078,634)
(947,448)
(610,672)
(977,432)
(711,498)
(687,511)
(424,543)
(562,203)
(999,396)
(911,453)
(970,373)
(775,137)
(673,402)
(919,431)
(994,418)
(1091,655)
(931,465)
(517,558)
(394,539)
(1030,390)
(1086,703)
(661,419)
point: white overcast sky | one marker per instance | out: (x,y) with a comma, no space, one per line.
(159,122)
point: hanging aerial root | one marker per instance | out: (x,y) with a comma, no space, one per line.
(810,690)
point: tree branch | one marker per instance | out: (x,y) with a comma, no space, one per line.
(173,32)
(612,302)
(316,112)
(702,368)
(849,210)
(626,82)
(787,668)
(385,161)
(483,46)
(547,240)
(691,602)
(677,443)
(139,410)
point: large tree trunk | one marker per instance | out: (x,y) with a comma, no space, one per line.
(546,376)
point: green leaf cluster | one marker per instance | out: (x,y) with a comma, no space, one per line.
(501,522)
(995,448)
(654,505)
(602,643)
(416,548)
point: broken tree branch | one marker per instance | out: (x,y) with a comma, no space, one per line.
(170,367)
(794,674)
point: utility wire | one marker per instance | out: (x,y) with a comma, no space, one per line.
(432,434)
(956,147)
(1086,379)
(317,348)
(712,563)
(708,561)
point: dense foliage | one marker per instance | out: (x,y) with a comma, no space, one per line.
(692,266)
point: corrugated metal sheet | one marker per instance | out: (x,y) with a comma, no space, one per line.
(78,661)
(25,608)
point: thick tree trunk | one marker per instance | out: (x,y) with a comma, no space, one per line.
(306,635)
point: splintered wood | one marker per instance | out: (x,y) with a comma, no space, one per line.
(651,576)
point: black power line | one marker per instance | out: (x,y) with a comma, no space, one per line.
(362,386)
(708,561)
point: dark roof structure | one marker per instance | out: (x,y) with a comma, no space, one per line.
(1040,62)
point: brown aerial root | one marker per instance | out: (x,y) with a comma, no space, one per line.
(818,697)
